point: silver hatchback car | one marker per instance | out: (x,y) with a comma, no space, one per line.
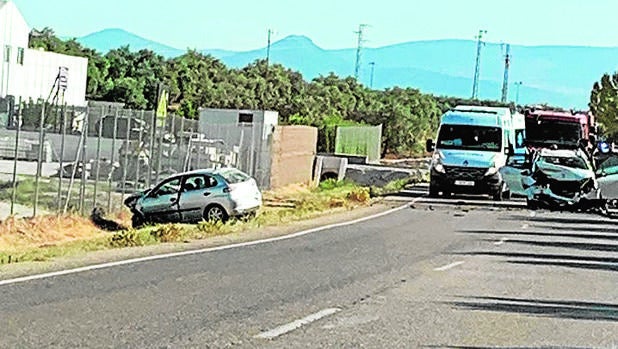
(212,195)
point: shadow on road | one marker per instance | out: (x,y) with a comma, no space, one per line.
(563,220)
(572,245)
(576,265)
(610,237)
(473,347)
(554,257)
(573,310)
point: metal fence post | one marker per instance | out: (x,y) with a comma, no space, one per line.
(153,127)
(109,180)
(17,130)
(139,150)
(126,154)
(180,140)
(63,129)
(82,189)
(98,156)
(39,159)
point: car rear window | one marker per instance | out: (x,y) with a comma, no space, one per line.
(233,176)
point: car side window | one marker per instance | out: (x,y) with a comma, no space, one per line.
(171,186)
(199,182)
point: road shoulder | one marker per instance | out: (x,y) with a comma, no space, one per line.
(10,271)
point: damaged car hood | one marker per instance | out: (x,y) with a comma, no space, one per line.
(564,173)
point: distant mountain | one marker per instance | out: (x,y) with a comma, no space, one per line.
(558,75)
(109,39)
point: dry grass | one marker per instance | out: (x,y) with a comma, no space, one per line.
(52,236)
(45,231)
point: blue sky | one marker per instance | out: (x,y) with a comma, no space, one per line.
(242,24)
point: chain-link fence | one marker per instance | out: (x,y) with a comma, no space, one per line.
(59,158)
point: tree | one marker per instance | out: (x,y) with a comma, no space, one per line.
(604,104)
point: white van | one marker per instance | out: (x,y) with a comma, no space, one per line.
(516,162)
(473,144)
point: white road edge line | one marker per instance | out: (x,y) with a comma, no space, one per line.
(201,251)
(449,266)
(294,325)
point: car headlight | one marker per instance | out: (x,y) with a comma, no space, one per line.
(438,167)
(491,171)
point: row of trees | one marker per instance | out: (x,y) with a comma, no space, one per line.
(196,80)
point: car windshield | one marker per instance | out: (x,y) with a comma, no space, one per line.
(233,176)
(552,133)
(466,137)
(573,162)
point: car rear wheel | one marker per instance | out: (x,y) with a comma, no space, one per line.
(215,213)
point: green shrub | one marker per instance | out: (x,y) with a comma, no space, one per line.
(129,238)
(168,232)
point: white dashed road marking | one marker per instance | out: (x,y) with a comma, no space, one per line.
(294,325)
(449,266)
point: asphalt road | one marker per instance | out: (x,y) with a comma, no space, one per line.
(435,275)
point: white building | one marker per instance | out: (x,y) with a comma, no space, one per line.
(29,73)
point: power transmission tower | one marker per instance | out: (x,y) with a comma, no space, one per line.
(477,68)
(505,82)
(359,49)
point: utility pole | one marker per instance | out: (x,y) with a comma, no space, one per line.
(270,32)
(518,84)
(477,68)
(505,82)
(359,48)
(373,67)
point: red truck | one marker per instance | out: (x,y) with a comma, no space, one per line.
(565,129)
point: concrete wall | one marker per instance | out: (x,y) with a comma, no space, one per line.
(293,155)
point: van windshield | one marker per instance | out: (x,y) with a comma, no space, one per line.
(467,137)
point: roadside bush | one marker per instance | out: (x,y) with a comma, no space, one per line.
(359,195)
(128,238)
(213,227)
(331,184)
(168,232)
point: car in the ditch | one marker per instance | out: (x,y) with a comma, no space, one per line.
(561,179)
(210,194)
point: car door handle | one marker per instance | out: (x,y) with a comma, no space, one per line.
(206,193)
(173,200)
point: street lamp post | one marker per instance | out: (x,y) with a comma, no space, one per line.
(518,84)
(373,66)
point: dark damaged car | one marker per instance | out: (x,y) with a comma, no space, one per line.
(561,179)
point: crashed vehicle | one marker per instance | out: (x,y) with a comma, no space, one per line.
(561,179)
(211,195)
(607,177)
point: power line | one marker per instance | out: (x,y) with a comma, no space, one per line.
(359,48)
(477,68)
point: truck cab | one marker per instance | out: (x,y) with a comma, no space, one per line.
(473,144)
(555,128)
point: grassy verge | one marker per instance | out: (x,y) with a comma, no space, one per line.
(47,237)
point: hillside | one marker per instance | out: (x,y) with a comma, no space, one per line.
(559,75)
